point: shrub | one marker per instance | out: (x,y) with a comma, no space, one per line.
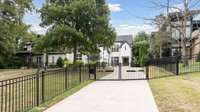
(92,63)
(60,62)
(79,62)
(67,63)
(52,66)
(13,62)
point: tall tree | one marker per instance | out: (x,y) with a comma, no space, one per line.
(12,27)
(77,25)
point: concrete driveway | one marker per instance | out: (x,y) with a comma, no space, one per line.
(110,96)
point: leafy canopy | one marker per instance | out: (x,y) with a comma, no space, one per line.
(77,25)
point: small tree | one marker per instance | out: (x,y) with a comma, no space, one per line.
(140,49)
(60,62)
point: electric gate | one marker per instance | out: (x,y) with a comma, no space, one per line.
(120,73)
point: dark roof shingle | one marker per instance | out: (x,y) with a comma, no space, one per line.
(125,38)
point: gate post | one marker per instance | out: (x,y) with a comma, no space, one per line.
(147,72)
(120,71)
(95,72)
(43,86)
(37,87)
(80,74)
(177,66)
(66,81)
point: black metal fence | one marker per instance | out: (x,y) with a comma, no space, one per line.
(169,66)
(23,93)
(192,65)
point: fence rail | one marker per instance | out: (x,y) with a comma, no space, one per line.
(23,93)
(173,66)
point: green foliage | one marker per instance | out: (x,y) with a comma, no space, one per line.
(60,62)
(92,63)
(13,62)
(12,28)
(160,42)
(140,49)
(78,25)
(79,62)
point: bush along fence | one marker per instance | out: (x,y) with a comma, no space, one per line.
(23,93)
(157,68)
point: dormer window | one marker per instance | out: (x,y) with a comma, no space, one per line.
(115,48)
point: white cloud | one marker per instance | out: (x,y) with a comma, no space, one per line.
(134,29)
(176,8)
(115,7)
(38,29)
(33,19)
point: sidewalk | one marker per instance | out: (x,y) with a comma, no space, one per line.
(110,96)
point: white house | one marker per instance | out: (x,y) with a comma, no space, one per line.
(104,55)
(121,50)
(53,57)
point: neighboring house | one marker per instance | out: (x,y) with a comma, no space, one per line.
(104,55)
(54,56)
(121,51)
(191,26)
(31,59)
(196,42)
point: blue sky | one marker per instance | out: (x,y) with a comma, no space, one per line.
(127,16)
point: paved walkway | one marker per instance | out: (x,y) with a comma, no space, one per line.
(109,96)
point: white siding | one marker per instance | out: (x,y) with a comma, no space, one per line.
(124,52)
(104,55)
(52,58)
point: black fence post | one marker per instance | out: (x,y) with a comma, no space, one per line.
(37,88)
(177,66)
(120,71)
(147,72)
(89,71)
(66,83)
(80,78)
(95,72)
(42,86)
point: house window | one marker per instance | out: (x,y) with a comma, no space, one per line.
(39,60)
(115,48)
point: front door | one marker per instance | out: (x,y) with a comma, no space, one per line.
(125,61)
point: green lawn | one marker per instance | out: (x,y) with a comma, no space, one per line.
(21,96)
(177,93)
(158,72)
(14,73)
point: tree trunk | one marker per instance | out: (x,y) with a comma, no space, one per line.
(184,53)
(75,53)
(160,50)
(47,60)
(184,33)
